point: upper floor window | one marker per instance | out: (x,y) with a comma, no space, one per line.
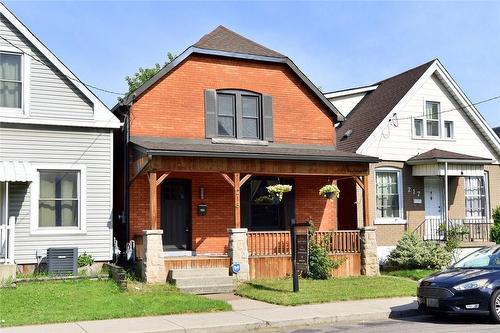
(11,80)
(432,118)
(238,114)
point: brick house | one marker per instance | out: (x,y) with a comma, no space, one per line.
(439,163)
(205,137)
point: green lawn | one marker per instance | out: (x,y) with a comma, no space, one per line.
(279,291)
(414,274)
(64,301)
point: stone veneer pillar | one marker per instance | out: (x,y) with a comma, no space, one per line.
(369,261)
(238,251)
(154,262)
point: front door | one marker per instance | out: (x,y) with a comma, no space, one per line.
(433,195)
(176,214)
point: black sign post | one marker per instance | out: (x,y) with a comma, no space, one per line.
(300,251)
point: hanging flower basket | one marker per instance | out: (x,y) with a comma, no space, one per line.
(278,190)
(329,191)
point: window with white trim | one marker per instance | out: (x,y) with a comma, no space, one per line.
(11,80)
(388,193)
(432,110)
(448,130)
(59,198)
(475,197)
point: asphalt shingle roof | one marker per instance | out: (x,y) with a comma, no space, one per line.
(438,154)
(223,39)
(375,106)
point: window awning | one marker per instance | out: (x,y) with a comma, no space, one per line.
(15,171)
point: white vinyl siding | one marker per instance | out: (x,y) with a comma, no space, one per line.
(396,143)
(345,104)
(51,95)
(81,148)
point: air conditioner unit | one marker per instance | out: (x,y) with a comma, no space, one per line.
(62,261)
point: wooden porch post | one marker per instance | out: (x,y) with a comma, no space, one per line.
(237,205)
(152,200)
(366,206)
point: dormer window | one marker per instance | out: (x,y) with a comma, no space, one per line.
(240,115)
(11,80)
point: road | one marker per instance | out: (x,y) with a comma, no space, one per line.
(419,324)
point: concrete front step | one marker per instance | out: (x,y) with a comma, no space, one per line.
(203,290)
(203,281)
(197,272)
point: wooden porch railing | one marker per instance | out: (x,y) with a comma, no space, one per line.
(275,243)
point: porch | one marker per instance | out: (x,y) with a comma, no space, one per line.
(456,196)
(196,201)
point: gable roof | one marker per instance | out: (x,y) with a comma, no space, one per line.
(223,39)
(102,115)
(497,131)
(437,155)
(375,106)
(223,42)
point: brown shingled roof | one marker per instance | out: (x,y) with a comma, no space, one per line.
(223,39)
(438,154)
(497,131)
(375,106)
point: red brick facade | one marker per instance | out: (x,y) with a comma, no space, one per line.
(174,108)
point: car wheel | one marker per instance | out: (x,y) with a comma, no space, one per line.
(495,306)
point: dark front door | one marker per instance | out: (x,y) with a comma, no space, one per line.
(176,214)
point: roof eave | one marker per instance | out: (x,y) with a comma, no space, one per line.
(450,160)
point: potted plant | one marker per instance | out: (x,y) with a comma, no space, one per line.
(329,191)
(278,190)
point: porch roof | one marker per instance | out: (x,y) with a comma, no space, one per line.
(438,156)
(15,171)
(156,146)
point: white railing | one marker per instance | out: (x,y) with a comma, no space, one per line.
(7,231)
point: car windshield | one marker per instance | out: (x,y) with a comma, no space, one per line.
(485,258)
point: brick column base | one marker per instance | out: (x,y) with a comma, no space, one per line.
(238,251)
(369,262)
(154,262)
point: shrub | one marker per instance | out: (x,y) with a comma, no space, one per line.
(495,228)
(412,252)
(320,263)
(85,260)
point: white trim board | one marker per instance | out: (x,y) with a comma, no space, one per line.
(101,112)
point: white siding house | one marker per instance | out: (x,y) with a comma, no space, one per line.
(56,146)
(439,158)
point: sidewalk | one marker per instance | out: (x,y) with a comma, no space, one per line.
(246,315)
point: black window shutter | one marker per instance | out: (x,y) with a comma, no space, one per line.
(210,113)
(267,118)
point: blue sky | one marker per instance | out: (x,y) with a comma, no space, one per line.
(337,44)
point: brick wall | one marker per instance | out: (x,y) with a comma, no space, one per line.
(209,232)
(174,107)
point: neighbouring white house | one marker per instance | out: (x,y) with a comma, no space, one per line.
(56,165)
(440,159)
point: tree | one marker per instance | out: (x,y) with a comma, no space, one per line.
(144,74)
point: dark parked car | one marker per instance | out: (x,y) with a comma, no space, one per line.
(471,286)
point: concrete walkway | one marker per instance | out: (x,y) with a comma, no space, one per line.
(246,315)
